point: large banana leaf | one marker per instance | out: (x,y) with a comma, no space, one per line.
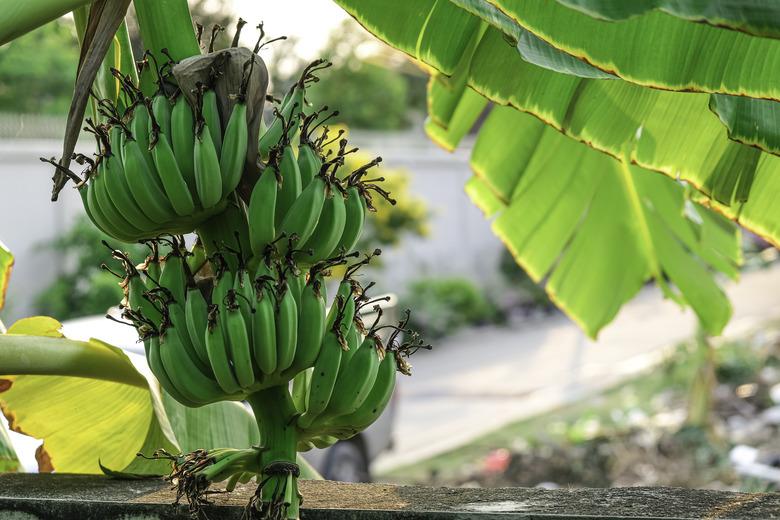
(669,132)
(674,133)
(90,424)
(755,122)
(596,229)
(656,49)
(662,131)
(759,17)
(749,121)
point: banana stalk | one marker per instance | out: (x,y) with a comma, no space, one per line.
(275,412)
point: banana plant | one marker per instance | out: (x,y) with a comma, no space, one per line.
(242,313)
(577,89)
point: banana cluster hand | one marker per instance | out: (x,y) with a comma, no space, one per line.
(163,165)
(231,334)
(351,383)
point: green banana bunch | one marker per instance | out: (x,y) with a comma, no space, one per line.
(169,168)
(243,314)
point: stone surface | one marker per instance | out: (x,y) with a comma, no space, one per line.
(31,497)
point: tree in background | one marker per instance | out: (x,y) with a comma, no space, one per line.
(44,84)
(374,87)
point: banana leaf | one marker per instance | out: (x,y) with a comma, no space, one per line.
(754,122)
(658,131)
(757,17)
(597,229)
(656,49)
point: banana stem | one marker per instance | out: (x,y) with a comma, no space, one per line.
(275,414)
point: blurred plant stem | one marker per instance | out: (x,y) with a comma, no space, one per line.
(703,383)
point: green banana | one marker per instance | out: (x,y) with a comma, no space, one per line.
(286,329)
(245,292)
(137,301)
(234,146)
(357,378)
(296,283)
(238,341)
(345,312)
(377,399)
(262,207)
(355,208)
(97,220)
(300,388)
(172,178)
(197,257)
(329,230)
(139,126)
(290,111)
(323,378)
(173,276)
(109,211)
(311,328)
(157,368)
(183,140)
(304,213)
(264,330)
(354,340)
(309,163)
(161,110)
(119,193)
(208,179)
(324,441)
(145,185)
(223,284)
(290,188)
(217,350)
(117,140)
(89,197)
(178,319)
(210,112)
(195,313)
(183,373)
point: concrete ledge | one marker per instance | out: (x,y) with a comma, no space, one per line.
(31,497)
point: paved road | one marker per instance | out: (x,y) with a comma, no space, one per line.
(486,378)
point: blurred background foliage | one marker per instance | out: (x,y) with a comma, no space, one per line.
(83,288)
(372,86)
(42,85)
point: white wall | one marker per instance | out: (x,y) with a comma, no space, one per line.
(460,241)
(28,218)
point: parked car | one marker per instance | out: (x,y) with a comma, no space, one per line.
(347,461)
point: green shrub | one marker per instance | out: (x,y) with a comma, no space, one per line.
(444,305)
(82,287)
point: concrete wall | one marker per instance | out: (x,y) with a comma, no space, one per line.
(460,241)
(28,218)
